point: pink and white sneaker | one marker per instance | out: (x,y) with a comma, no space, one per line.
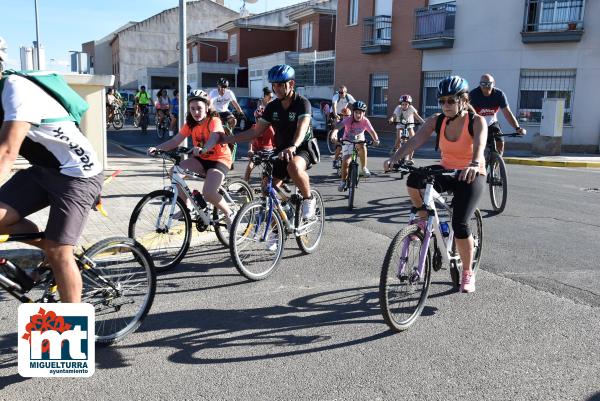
(467,283)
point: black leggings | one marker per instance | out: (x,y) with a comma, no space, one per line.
(464,203)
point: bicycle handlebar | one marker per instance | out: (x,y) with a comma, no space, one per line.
(427,171)
(174,154)
(514,135)
(367,142)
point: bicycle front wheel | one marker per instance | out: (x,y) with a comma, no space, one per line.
(402,290)
(167,242)
(258,240)
(119,281)
(498,183)
(118,120)
(353,181)
(330,145)
(160,133)
(240,193)
(310,231)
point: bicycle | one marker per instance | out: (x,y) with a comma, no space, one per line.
(163,223)
(260,228)
(162,126)
(496,172)
(118,280)
(406,271)
(142,118)
(118,118)
(352,175)
(331,122)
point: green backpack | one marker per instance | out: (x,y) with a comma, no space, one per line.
(55,86)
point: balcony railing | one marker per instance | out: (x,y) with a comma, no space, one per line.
(434,26)
(553,21)
(377,34)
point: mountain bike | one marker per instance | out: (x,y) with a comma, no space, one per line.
(163,223)
(162,126)
(353,171)
(406,271)
(260,228)
(496,172)
(118,281)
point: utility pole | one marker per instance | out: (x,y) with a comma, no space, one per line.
(182,63)
(37,39)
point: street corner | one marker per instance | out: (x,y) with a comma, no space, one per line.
(555,162)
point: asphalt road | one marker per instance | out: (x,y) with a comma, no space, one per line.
(314,331)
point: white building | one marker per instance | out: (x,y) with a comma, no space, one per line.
(535,49)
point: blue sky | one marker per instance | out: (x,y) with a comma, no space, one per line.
(65,24)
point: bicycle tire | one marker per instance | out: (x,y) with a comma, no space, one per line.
(390,277)
(476,227)
(306,242)
(160,133)
(498,183)
(144,122)
(353,180)
(142,227)
(120,282)
(240,193)
(330,145)
(118,120)
(247,230)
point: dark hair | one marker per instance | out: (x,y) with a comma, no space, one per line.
(175,92)
(267,91)
(191,122)
(142,87)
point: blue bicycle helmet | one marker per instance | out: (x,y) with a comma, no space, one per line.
(281,73)
(359,105)
(452,86)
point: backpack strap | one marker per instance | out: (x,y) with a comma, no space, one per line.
(438,127)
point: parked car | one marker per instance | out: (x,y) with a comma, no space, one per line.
(248,105)
(319,120)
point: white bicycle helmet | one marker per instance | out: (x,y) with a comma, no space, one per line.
(197,94)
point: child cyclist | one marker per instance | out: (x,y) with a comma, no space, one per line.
(406,113)
(210,159)
(263,142)
(354,126)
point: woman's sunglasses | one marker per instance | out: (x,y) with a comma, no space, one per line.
(450,100)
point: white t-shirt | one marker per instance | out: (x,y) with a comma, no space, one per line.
(221,103)
(343,102)
(59,145)
(408,115)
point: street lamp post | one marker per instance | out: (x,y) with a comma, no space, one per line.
(37,38)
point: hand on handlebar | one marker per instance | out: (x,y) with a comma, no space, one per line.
(521,131)
(151,151)
(287,154)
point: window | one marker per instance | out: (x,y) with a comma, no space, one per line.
(307,30)
(431,79)
(537,85)
(379,94)
(352,12)
(554,15)
(233,44)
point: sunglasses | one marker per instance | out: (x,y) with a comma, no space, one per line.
(451,101)
(486,84)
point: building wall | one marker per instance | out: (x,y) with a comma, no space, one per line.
(402,63)
(153,42)
(259,42)
(498,49)
(209,54)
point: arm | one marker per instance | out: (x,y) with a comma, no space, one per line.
(237,107)
(419,118)
(12,135)
(334,131)
(171,143)
(479,140)
(512,120)
(213,139)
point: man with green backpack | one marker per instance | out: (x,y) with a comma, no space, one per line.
(40,117)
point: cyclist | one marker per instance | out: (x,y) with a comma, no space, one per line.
(460,151)
(210,159)
(142,99)
(263,102)
(405,112)
(354,130)
(487,100)
(174,112)
(111,104)
(290,117)
(221,97)
(162,105)
(337,156)
(341,100)
(65,175)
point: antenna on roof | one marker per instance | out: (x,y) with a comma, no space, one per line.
(244,13)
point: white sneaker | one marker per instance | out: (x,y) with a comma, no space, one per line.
(272,242)
(170,133)
(342,186)
(309,208)
(366,172)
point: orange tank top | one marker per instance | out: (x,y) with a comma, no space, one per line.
(458,154)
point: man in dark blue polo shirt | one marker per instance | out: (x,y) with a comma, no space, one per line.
(487,100)
(290,116)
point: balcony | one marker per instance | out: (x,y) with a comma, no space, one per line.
(551,21)
(377,34)
(434,27)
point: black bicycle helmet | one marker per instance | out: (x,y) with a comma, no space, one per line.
(359,105)
(223,83)
(452,86)
(281,73)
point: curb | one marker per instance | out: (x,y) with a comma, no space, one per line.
(551,163)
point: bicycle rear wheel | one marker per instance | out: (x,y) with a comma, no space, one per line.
(498,183)
(352,183)
(258,241)
(119,281)
(476,228)
(240,193)
(166,243)
(311,230)
(402,291)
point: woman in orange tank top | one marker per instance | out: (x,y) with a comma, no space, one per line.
(460,151)
(211,159)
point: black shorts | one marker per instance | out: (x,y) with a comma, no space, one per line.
(70,200)
(494,128)
(208,164)
(280,166)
